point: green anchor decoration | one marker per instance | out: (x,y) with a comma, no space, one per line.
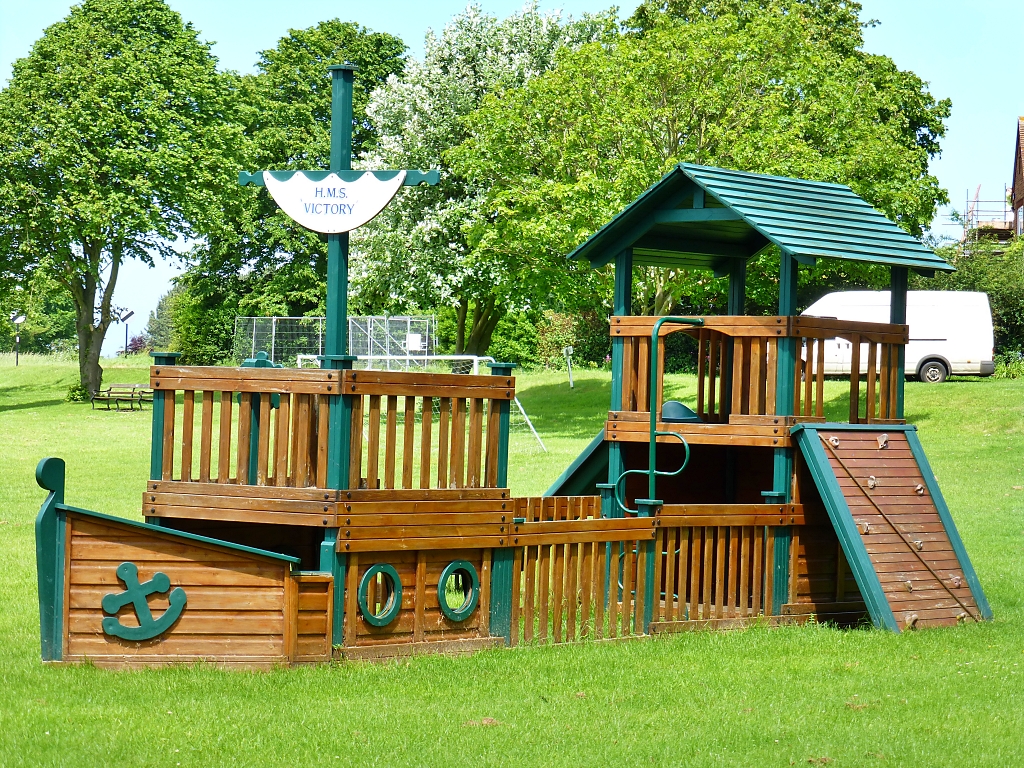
(138,594)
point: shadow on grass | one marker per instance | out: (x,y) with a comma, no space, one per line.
(33,404)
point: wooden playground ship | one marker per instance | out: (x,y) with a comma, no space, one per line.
(296,516)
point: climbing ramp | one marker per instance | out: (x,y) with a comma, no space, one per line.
(900,541)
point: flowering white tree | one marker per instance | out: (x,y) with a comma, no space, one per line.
(416,254)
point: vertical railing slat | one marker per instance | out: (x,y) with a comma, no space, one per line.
(355,462)
(373,443)
(188,425)
(442,445)
(224,439)
(390,441)
(426,423)
(476,435)
(408,441)
(244,430)
(206,438)
(167,466)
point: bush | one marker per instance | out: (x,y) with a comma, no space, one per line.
(77,393)
(1009,365)
(585,332)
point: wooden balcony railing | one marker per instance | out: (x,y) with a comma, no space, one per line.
(270,427)
(456,448)
(737,366)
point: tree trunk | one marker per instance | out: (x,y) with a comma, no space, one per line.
(486,316)
(91,330)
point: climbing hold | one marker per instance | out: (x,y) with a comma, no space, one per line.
(919,544)
(961,617)
(867,528)
(909,585)
(883,441)
(910,620)
(872,482)
(957,581)
(919,489)
(834,441)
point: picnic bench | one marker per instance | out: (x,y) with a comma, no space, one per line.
(123,393)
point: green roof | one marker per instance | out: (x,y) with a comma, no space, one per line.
(699,216)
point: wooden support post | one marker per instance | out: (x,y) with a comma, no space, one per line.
(502,565)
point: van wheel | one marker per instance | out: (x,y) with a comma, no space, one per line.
(933,372)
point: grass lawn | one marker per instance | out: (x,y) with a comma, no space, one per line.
(786,696)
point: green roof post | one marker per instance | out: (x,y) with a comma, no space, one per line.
(737,300)
(898,316)
(501,559)
(622,304)
(782,476)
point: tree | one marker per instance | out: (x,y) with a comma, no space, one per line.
(262,262)
(49,316)
(117,142)
(160,328)
(415,253)
(773,87)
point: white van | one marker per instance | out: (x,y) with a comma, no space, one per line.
(950,331)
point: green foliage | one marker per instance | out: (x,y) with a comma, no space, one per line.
(996,269)
(763,87)
(77,393)
(1009,366)
(160,328)
(117,140)
(49,316)
(204,323)
(415,253)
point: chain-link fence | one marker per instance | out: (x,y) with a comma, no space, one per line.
(393,343)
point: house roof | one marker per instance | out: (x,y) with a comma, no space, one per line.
(698,216)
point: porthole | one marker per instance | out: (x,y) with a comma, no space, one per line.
(458,590)
(380,595)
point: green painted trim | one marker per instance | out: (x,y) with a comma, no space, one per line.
(463,611)
(50,559)
(180,534)
(649,508)
(589,455)
(780,568)
(842,521)
(947,521)
(339,430)
(156,445)
(412,178)
(504,422)
(501,594)
(394,604)
(333,562)
(839,426)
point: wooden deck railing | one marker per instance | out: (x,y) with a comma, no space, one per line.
(270,426)
(737,363)
(458,449)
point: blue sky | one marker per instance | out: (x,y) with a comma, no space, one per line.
(966,51)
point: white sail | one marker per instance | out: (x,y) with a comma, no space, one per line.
(331,206)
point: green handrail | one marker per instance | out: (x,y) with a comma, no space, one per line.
(651,472)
